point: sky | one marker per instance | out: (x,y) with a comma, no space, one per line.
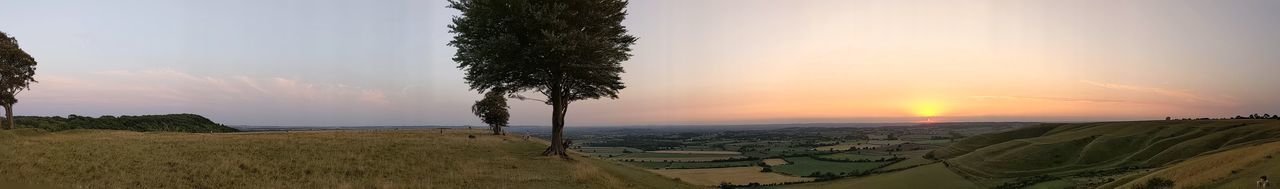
(354,62)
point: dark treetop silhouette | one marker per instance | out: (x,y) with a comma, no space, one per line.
(17,72)
(567,50)
(492,110)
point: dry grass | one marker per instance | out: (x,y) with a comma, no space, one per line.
(1214,168)
(735,175)
(774,162)
(322,159)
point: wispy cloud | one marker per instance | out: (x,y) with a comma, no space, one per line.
(168,86)
(1186,96)
(1061,99)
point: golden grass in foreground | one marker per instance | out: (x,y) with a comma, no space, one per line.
(735,175)
(1203,171)
(324,159)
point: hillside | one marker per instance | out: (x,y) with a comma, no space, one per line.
(1109,150)
(1236,168)
(319,159)
(143,123)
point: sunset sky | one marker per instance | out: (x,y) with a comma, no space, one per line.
(386,62)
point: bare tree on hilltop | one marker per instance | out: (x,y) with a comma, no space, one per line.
(17,72)
(567,50)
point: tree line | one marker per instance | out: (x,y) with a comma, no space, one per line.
(144,123)
(1251,116)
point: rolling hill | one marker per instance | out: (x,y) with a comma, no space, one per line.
(191,123)
(1190,153)
(1119,151)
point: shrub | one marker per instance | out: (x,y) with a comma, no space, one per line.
(1156,183)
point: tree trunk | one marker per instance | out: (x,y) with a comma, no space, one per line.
(558,107)
(8,116)
(497,129)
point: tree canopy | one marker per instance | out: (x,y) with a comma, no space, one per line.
(492,110)
(567,50)
(572,48)
(17,72)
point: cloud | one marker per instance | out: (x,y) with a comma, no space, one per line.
(167,87)
(1185,96)
(1061,99)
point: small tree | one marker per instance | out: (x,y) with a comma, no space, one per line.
(492,110)
(17,72)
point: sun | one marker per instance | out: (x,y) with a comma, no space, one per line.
(927,108)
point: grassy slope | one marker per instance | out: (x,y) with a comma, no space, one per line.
(1062,149)
(1248,163)
(330,159)
(1201,152)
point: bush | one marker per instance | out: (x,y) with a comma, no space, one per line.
(1156,183)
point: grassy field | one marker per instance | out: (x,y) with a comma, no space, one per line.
(693,165)
(322,159)
(774,162)
(914,158)
(617,150)
(713,152)
(777,151)
(929,176)
(934,142)
(673,157)
(735,175)
(607,152)
(852,156)
(804,166)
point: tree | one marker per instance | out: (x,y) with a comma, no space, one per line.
(17,72)
(492,110)
(567,50)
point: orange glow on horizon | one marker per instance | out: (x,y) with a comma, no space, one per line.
(927,120)
(927,108)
